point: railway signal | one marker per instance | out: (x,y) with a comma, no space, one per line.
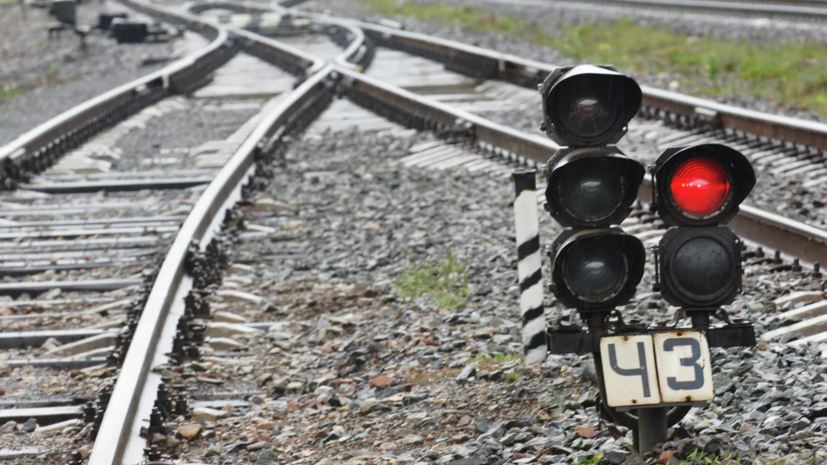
(656,373)
(697,190)
(591,185)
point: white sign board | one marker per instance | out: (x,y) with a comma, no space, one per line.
(629,371)
(684,366)
(670,367)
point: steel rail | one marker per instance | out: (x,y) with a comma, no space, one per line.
(122,416)
(349,58)
(127,408)
(529,73)
(88,117)
(219,196)
(787,10)
(806,9)
(771,230)
(791,237)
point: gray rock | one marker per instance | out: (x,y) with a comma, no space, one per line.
(267,456)
(412,439)
(466,373)
(614,457)
(481,426)
(369,405)
(29,426)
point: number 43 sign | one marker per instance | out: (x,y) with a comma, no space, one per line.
(670,367)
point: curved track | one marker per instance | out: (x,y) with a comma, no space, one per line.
(472,140)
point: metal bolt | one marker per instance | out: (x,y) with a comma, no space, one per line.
(777,259)
(156,422)
(817,270)
(104,396)
(89,412)
(75,459)
(96,425)
(796,265)
(181,407)
(152,452)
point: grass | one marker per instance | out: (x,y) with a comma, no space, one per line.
(421,377)
(449,15)
(443,284)
(7,92)
(792,73)
(488,361)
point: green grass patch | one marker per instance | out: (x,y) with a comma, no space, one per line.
(488,361)
(443,284)
(792,73)
(449,15)
(7,92)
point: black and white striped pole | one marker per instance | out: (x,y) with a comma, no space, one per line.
(527,223)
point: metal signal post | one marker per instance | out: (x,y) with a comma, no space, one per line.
(656,374)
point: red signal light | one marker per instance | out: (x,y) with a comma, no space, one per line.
(700,186)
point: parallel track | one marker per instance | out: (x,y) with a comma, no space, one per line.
(133,396)
(794,10)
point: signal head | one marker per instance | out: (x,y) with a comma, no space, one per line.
(592,187)
(700,267)
(701,185)
(587,105)
(597,268)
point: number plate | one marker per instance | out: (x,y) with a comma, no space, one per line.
(670,367)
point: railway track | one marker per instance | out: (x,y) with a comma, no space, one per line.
(797,10)
(379,101)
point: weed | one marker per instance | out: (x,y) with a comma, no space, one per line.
(443,283)
(512,376)
(697,456)
(592,461)
(7,92)
(488,361)
(418,378)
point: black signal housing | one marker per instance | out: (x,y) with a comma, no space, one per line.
(588,105)
(596,269)
(592,187)
(700,268)
(738,170)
